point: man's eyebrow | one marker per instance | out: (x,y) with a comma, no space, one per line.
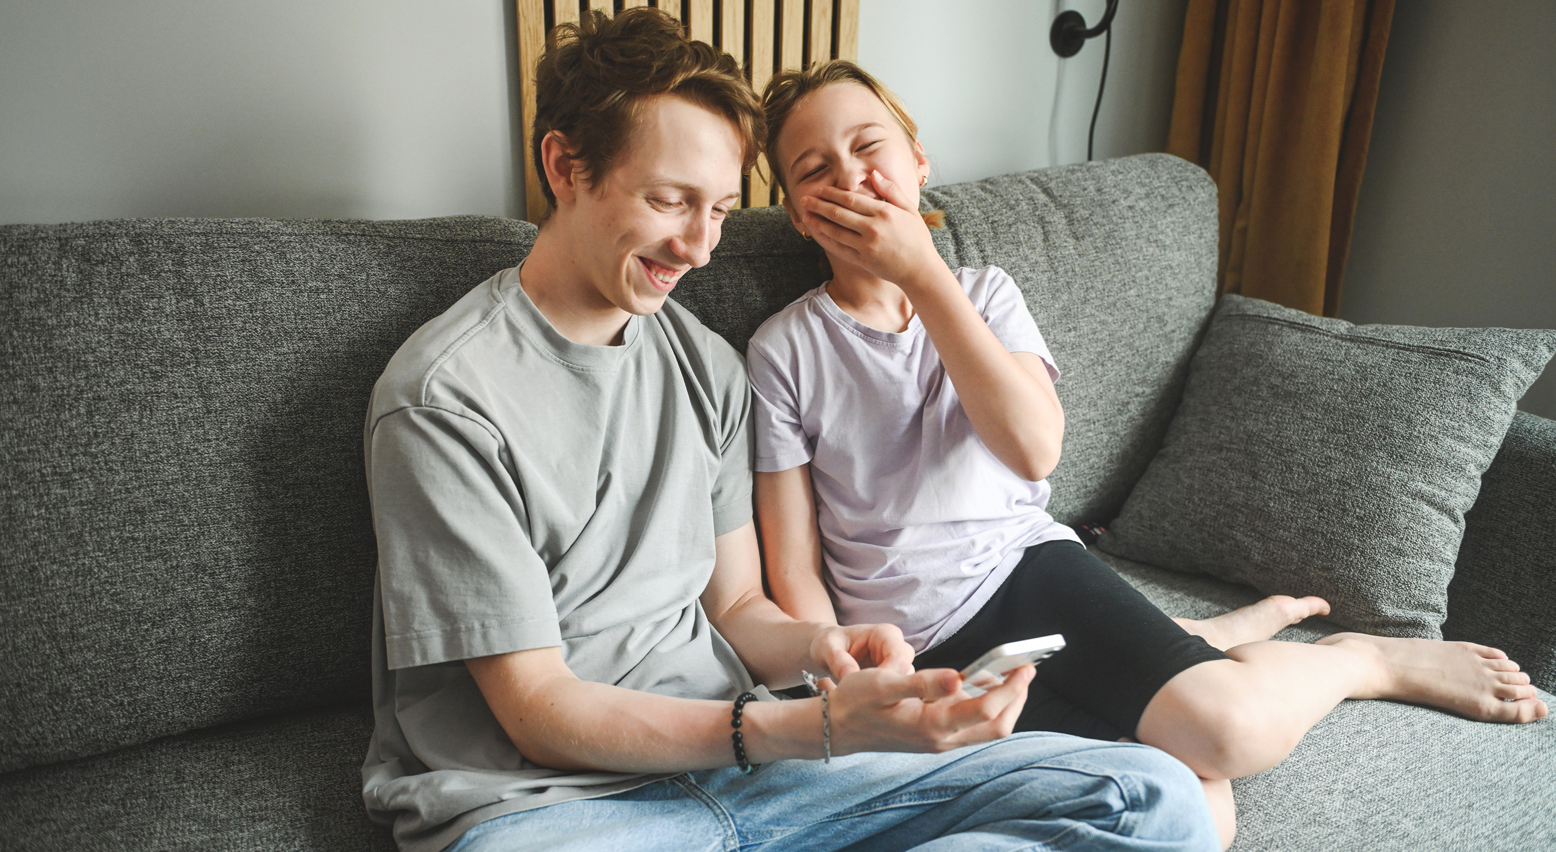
(850,131)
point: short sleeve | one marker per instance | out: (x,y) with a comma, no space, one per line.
(732,486)
(781,442)
(457,572)
(1004,308)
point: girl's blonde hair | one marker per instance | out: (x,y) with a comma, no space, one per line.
(787,88)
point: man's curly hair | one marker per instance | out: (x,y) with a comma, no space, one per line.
(595,73)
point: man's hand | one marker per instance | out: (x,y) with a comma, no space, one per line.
(845,650)
(878,710)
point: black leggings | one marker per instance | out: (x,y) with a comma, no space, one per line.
(1120,649)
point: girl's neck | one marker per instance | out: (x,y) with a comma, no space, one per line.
(876,302)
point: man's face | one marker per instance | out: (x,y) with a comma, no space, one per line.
(658,211)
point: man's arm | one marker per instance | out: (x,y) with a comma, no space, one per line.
(774,646)
(557,720)
(791,543)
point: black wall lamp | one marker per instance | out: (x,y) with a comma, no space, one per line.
(1069,32)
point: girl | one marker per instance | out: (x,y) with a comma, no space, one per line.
(906,419)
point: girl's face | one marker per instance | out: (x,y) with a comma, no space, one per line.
(835,136)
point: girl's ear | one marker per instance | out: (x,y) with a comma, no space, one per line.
(794,213)
(921,159)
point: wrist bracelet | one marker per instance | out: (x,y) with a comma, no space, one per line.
(739,740)
(826,728)
(826,715)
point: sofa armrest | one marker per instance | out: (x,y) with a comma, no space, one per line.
(1504,584)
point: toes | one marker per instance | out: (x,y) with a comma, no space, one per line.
(1516,678)
(1529,711)
(1514,692)
(1502,665)
(1315,605)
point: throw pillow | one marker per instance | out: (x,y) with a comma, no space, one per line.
(1313,456)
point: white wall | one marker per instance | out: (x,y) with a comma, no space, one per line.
(1456,225)
(397,109)
(285,108)
(991,97)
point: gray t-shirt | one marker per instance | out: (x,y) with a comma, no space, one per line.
(530,492)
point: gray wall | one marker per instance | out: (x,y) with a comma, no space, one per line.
(288,108)
(1456,225)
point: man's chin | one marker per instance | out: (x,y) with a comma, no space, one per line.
(645,304)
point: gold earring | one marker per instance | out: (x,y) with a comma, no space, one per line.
(805,234)
(923,179)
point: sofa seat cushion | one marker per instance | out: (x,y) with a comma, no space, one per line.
(291,782)
(1379,774)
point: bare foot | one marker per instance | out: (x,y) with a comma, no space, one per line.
(1255,622)
(1471,680)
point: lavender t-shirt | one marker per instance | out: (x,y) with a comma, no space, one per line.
(920,523)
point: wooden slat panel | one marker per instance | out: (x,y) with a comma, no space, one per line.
(605,6)
(670,7)
(791,34)
(732,29)
(532,43)
(764,39)
(566,11)
(628,4)
(820,31)
(848,29)
(700,25)
(732,35)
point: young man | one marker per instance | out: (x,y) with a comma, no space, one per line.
(569,619)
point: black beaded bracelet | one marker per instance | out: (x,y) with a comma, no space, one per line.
(737,738)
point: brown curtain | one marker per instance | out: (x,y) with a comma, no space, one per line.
(1275,99)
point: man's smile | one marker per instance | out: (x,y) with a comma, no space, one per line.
(663,277)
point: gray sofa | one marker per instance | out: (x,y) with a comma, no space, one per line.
(186,557)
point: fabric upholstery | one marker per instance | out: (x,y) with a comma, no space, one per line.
(1378,774)
(187,540)
(292,783)
(1117,260)
(1504,584)
(1311,456)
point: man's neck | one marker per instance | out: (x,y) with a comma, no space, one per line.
(563,295)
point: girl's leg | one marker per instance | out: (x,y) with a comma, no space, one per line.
(1240,716)
(1254,622)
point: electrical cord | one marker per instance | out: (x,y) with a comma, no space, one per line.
(1107,52)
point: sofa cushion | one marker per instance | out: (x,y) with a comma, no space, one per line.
(1311,456)
(289,783)
(187,539)
(1379,774)
(1504,583)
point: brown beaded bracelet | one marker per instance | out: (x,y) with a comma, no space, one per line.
(737,738)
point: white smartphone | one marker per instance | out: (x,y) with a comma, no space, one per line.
(989,670)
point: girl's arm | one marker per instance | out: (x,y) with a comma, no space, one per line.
(1008,396)
(791,544)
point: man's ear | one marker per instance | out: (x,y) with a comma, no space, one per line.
(561,173)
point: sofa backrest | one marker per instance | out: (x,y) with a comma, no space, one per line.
(186,533)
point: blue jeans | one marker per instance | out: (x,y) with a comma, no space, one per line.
(1029,791)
